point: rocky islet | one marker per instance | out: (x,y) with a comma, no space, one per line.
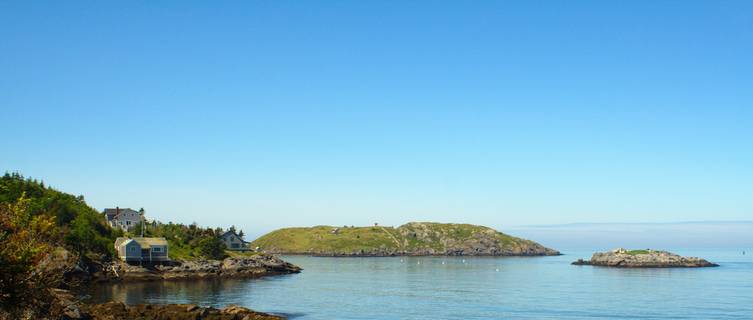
(622,258)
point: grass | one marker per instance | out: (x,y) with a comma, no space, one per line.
(321,239)
(176,251)
(240,254)
(635,252)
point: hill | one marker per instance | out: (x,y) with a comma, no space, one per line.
(415,238)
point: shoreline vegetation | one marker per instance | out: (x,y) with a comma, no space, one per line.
(52,243)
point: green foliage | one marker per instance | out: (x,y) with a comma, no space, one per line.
(636,252)
(80,226)
(185,241)
(212,248)
(25,239)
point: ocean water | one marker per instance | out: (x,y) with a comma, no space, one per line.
(473,288)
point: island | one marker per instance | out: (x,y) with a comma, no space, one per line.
(622,258)
(410,239)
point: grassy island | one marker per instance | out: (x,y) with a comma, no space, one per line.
(415,238)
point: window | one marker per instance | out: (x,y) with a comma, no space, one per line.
(128,223)
(133,249)
(156,249)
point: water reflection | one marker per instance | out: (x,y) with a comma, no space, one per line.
(204,292)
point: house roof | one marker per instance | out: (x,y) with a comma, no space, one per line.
(143,242)
(231,232)
(112,213)
(148,242)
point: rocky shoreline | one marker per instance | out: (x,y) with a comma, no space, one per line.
(66,306)
(621,258)
(255,266)
(431,253)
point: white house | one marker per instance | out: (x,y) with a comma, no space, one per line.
(123,218)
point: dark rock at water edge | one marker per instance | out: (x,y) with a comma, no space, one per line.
(66,306)
(118,310)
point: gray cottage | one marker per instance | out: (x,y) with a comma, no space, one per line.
(123,218)
(142,249)
(233,241)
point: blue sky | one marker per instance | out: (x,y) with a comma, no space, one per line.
(281,113)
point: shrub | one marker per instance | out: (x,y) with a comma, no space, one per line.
(212,248)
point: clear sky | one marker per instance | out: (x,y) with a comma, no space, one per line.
(290,113)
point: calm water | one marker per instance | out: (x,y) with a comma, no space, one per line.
(473,288)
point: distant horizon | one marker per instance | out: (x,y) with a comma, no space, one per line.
(639,222)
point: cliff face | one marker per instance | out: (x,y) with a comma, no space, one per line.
(622,258)
(415,238)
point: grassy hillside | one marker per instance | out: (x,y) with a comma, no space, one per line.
(414,238)
(321,239)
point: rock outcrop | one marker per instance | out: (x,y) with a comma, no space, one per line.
(247,267)
(411,239)
(622,258)
(67,306)
(118,311)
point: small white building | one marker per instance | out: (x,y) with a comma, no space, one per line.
(124,218)
(142,249)
(233,241)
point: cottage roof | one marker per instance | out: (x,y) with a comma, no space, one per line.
(148,242)
(143,242)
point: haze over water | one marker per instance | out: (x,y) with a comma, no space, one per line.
(474,288)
